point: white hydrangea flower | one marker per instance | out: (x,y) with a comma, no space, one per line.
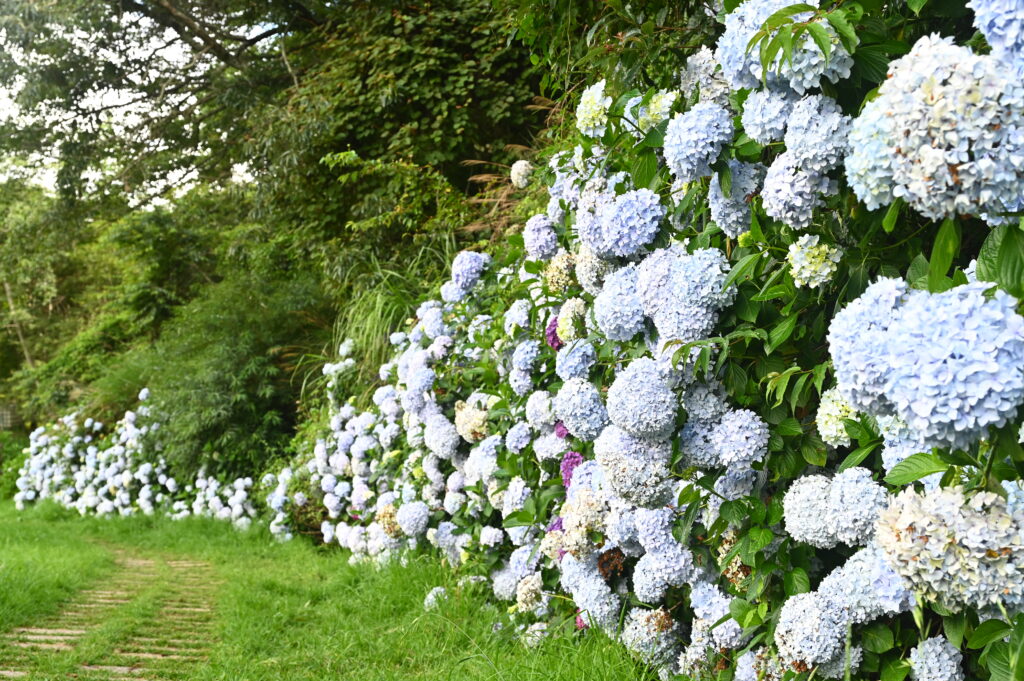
(812,264)
(592,112)
(832,410)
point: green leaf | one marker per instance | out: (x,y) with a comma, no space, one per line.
(823,40)
(987,631)
(847,34)
(915,467)
(789,426)
(988,256)
(769,50)
(878,638)
(895,670)
(916,5)
(760,537)
(725,179)
(953,627)
(796,581)
(918,268)
(780,333)
(741,269)
(947,245)
(1011,262)
(889,221)
(645,168)
(777,19)
(858,455)
(739,608)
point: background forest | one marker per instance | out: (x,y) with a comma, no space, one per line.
(190,221)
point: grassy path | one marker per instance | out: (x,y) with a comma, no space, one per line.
(161,600)
(151,620)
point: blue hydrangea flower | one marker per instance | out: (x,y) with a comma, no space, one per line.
(518,437)
(539,237)
(617,309)
(579,406)
(740,67)
(525,354)
(634,468)
(432,322)
(791,193)
(816,134)
(694,140)
(966,370)
(936,659)
(682,292)
(413,518)
(944,134)
(1002,24)
(467,268)
(520,381)
(641,402)
(623,225)
(517,317)
(732,213)
(857,342)
(765,113)
(575,359)
(740,438)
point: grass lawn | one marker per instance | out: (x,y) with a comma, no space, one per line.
(278,611)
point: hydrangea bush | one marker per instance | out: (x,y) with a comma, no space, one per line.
(745,393)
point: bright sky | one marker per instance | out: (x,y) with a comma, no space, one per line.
(170,54)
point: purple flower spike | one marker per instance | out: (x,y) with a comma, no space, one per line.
(569,463)
(552,335)
(560,430)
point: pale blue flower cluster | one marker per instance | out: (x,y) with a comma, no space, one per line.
(806,65)
(641,402)
(1002,24)
(683,292)
(517,317)
(518,437)
(413,518)
(765,113)
(816,141)
(539,237)
(624,224)
(579,406)
(964,374)
(742,68)
(936,659)
(823,512)
(575,359)
(732,212)
(944,134)
(693,140)
(665,563)
(634,468)
(617,309)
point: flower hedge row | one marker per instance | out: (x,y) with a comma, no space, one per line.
(747,394)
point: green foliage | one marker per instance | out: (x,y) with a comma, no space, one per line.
(221,373)
(12,454)
(627,43)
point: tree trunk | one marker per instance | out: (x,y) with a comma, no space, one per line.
(17,326)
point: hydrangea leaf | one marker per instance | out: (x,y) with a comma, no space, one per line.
(987,631)
(1011,262)
(915,467)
